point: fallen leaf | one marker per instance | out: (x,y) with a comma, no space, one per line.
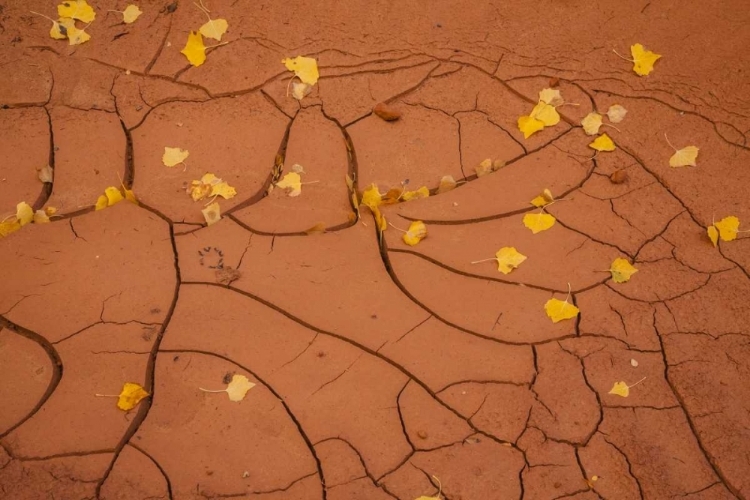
(174,156)
(643,60)
(75,36)
(227,275)
(551,97)
(101,202)
(538,222)
(497,165)
(40,217)
(508,258)
(9,226)
(684,157)
(300,90)
(236,389)
(713,235)
(214,28)
(622,389)
(603,143)
(57,31)
(113,195)
(558,310)
(210,185)
(129,397)
(293,182)
(195,50)
(591,123)
(76,9)
(616,113)
(440,490)
(50,210)
(484,168)
(24,213)
(305,68)
(130,14)
(422,192)
(386,112)
(621,270)
(447,183)
(380,221)
(223,189)
(618,176)
(416,233)
(543,199)
(728,228)
(46,174)
(529,126)
(130,196)
(318,228)
(545,113)
(212,213)
(371,197)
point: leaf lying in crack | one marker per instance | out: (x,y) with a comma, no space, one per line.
(212,213)
(305,68)
(76,9)
(292,182)
(591,123)
(215,28)
(422,192)
(174,156)
(112,195)
(371,197)
(622,270)
(543,199)
(728,228)
(46,174)
(195,50)
(558,310)
(210,185)
(551,97)
(616,113)
(603,143)
(380,221)
(538,222)
(545,113)
(713,235)
(643,60)
(416,233)
(447,183)
(684,157)
(24,213)
(236,389)
(41,217)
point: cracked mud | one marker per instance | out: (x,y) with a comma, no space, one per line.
(378,367)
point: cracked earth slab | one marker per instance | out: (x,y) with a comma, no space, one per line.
(382,371)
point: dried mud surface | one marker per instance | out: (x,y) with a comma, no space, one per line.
(378,366)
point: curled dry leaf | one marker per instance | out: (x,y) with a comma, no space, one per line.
(713,235)
(447,183)
(226,275)
(633,363)
(543,199)
(112,195)
(41,217)
(24,213)
(616,113)
(386,112)
(422,192)
(210,185)
(371,197)
(484,168)
(318,228)
(416,233)
(300,90)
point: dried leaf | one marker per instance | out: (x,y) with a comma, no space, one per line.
(174,156)
(75,35)
(215,28)
(508,258)
(621,270)
(616,113)
(46,174)
(684,157)
(551,97)
(298,168)
(236,389)
(306,68)
(212,213)
(633,363)
(318,228)
(300,90)
(538,222)
(484,168)
(9,226)
(603,143)
(371,197)
(622,389)
(210,185)
(113,195)
(386,112)
(293,182)
(558,310)
(416,233)
(195,50)
(447,183)
(130,14)
(41,217)
(643,60)
(50,210)
(543,199)
(130,396)
(546,114)
(380,221)
(101,202)
(591,123)
(227,275)
(58,31)
(529,126)
(130,196)
(24,213)
(422,192)
(76,9)
(728,228)
(713,235)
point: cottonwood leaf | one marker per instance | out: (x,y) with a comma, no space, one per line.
(728,228)
(551,97)
(174,156)
(538,222)
(212,213)
(76,9)
(236,389)
(416,233)
(603,143)
(508,258)
(130,396)
(447,183)
(713,235)
(621,270)
(210,185)
(58,31)
(306,68)
(380,221)
(543,199)
(591,123)
(558,310)
(529,126)
(422,192)
(46,174)
(24,213)
(616,113)
(545,113)
(371,197)
(643,60)
(130,14)
(9,226)
(622,389)
(41,217)
(215,28)
(300,90)
(101,203)
(195,50)
(484,168)
(684,157)
(293,182)
(113,195)
(318,228)
(75,35)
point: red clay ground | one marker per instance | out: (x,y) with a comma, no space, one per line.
(377,365)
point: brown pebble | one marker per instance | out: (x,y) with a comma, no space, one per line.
(386,112)
(618,177)
(422,435)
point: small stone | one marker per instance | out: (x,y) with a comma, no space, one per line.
(633,363)
(386,112)
(245,474)
(422,435)
(618,177)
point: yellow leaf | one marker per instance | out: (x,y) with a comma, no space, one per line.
(75,36)
(616,113)
(529,126)
(543,199)
(293,182)
(300,90)
(131,395)
(380,221)
(621,270)
(538,222)
(194,49)
(24,213)
(76,9)
(643,60)
(212,213)
(416,233)
(371,197)
(603,143)
(9,226)
(447,183)
(40,217)
(46,174)
(558,310)
(622,389)
(728,228)
(306,68)
(131,13)
(236,389)
(546,114)
(713,235)
(484,168)
(224,190)
(508,258)
(50,210)
(130,196)
(591,123)
(113,195)
(215,28)
(56,32)
(551,97)
(684,157)
(422,192)
(174,156)
(101,202)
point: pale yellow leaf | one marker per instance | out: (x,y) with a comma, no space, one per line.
(215,28)
(40,217)
(551,97)
(684,157)
(46,174)
(622,270)
(300,90)
(591,123)
(130,14)
(447,183)
(174,156)
(616,113)
(212,213)
(306,68)
(538,222)
(24,213)
(293,182)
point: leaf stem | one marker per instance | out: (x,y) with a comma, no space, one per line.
(38,14)
(670,144)
(107,395)
(397,228)
(610,125)
(641,380)
(483,260)
(623,57)
(208,390)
